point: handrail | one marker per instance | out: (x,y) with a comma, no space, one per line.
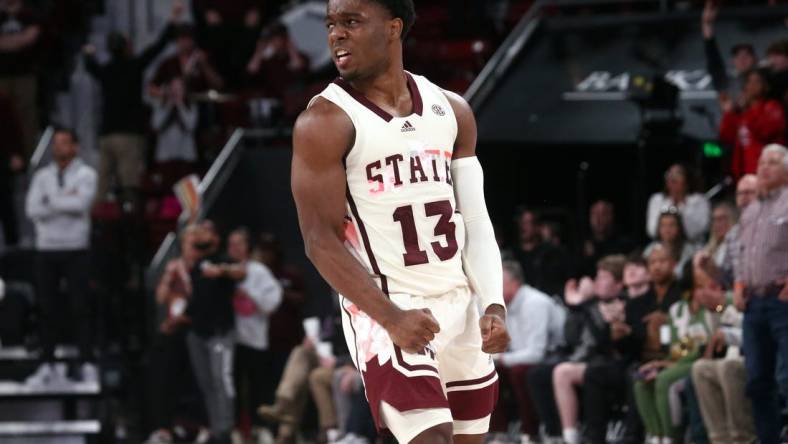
(41,149)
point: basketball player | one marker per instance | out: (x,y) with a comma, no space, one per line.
(391,207)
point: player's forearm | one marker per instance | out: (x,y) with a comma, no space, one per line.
(346,275)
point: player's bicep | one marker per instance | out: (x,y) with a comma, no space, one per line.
(465,144)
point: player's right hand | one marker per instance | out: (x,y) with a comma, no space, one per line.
(412,330)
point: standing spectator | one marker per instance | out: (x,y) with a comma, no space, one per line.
(20,33)
(58,202)
(691,326)
(211,339)
(761,289)
(730,84)
(175,120)
(122,141)
(11,162)
(604,239)
(723,218)
(599,317)
(276,63)
(535,322)
(256,297)
(545,266)
(748,127)
(679,193)
(189,63)
(777,57)
(671,233)
(720,383)
(746,192)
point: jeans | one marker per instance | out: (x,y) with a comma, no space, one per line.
(540,382)
(765,337)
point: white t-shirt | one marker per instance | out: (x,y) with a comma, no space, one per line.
(256,298)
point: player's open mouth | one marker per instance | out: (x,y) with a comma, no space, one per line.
(342,56)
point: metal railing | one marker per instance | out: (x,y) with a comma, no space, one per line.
(41,149)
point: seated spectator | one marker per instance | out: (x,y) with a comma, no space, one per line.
(720,382)
(256,297)
(188,63)
(597,311)
(535,323)
(122,141)
(723,218)
(749,126)
(671,234)
(604,238)
(175,120)
(743,58)
(690,327)
(211,338)
(545,267)
(58,202)
(680,194)
(358,426)
(20,38)
(777,58)
(585,331)
(169,359)
(11,163)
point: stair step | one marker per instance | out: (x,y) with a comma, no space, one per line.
(80,427)
(17,390)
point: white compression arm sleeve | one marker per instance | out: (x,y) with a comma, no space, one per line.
(481,257)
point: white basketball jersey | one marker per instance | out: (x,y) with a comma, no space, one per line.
(402,222)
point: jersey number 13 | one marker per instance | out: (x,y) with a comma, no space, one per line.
(414,255)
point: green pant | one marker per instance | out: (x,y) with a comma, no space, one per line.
(652,400)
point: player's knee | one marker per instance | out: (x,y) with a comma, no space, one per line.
(439,434)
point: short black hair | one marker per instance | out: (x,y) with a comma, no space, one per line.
(401,9)
(69,131)
(743,47)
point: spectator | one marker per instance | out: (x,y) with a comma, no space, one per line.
(276,63)
(751,125)
(211,339)
(671,233)
(189,63)
(744,57)
(607,384)
(255,299)
(602,317)
(20,34)
(58,202)
(11,162)
(545,267)
(723,218)
(762,287)
(122,141)
(690,326)
(777,58)
(720,383)
(169,356)
(535,322)
(746,192)
(604,238)
(175,120)
(679,193)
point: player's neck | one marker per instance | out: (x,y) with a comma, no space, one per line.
(387,89)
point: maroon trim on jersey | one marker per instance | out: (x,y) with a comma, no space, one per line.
(408,367)
(353,329)
(471,381)
(386,383)
(467,405)
(364,237)
(415,95)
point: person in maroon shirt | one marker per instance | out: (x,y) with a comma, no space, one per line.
(189,62)
(276,63)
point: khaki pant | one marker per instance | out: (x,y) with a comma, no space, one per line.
(727,413)
(23,91)
(294,384)
(320,383)
(122,159)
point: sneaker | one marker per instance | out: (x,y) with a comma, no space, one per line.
(41,377)
(278,412)
(160,437)
(203,437)
(89,373)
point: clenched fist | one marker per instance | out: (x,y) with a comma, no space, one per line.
(412,330)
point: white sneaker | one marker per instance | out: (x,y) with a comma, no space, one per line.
(41,377)
(159,437)
(89,373)
(59,379)
(203,437)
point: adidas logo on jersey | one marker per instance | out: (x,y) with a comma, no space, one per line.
(407,127)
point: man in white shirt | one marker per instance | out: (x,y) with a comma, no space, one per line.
(535,322)
(58,202)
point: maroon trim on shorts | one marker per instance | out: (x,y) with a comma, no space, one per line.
(415,95)
(471,381)
(467,405)
(386,383)
(408,367)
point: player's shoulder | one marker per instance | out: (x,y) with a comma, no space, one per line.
(324,123)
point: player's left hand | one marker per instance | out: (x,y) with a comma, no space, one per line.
(495,338)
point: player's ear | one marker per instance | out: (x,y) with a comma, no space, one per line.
(395,29)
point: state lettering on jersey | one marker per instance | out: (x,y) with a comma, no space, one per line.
(421,165)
